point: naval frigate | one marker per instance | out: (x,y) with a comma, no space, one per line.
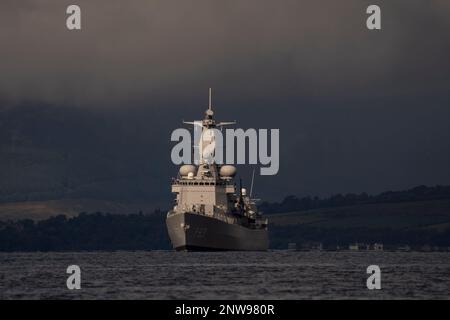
(209,214)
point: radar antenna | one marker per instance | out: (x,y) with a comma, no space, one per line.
(209,117)
(251,186)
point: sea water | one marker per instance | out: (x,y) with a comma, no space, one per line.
(225,275)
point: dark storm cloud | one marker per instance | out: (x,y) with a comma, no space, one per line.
(358,110)
(147,49)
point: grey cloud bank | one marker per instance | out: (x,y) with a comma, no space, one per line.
(147,50)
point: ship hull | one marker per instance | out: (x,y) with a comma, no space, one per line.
(194,232)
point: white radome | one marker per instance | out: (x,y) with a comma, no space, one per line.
(186,169)
(228,171)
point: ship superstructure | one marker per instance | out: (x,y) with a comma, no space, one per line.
(210,213)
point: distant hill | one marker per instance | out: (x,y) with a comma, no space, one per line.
(403,215)
(419,223)
(416,217)
(294,203)
(413,223)
(41,210)
(53,153)
(96,231)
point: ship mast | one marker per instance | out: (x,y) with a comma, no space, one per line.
(209,114)
(207,141)
(209,105)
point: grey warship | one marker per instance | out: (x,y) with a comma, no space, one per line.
(209,213)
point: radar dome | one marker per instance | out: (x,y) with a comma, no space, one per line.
(186,169)
(227,171)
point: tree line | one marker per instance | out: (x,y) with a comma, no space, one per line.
(293,203)
(109,232)
(96,231)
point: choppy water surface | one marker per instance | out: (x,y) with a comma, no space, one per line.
(228,275)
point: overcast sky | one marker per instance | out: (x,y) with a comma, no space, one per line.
(357,110)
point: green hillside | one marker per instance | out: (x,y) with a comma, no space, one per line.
(404,215)
(411,223)
(41,210)
(417,224)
